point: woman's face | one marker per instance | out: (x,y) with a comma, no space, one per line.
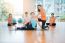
(10,15)
(39,7)
(52,15)
(32,14)
(26,14)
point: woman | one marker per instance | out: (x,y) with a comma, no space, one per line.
(42,13)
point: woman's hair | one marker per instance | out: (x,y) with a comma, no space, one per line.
(38,10)
(10,14)
(26,12)
(39,5)
(52,13)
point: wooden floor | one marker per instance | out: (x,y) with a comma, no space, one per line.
(53,35)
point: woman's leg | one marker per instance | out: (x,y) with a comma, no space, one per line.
(39,19)
(43,24)
(54,24)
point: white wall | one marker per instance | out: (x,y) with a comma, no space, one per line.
(29,5)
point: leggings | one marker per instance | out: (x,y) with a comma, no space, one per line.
(21,28)
(53,24)
(43,23)
(29,26)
